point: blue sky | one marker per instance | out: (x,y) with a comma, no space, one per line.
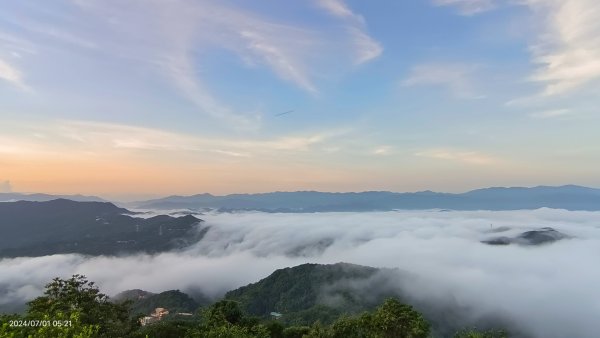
(139,98)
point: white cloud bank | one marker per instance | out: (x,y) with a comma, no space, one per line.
(550,290)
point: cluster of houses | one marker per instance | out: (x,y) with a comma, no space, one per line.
(160,312)
(158,315)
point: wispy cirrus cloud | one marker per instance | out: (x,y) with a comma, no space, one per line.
(464,156)
(16,45)
(173,39)
(468,7)
(549,114)
(566,49)
(90,136)
(340,9)
(12,75)
(366,48)
(457,78)
(382,150)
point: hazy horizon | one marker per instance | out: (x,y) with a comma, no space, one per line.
(132,197)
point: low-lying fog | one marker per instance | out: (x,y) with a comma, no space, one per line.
(552,290)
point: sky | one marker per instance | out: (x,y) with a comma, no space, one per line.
(131,99)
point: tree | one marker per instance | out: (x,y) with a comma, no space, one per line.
(275,329)
(222,312)
(225,319)
(391,319)
(79,297)
(394,319)
(165,329)
(351,327)
(295,331)
(318,331)
(474,333)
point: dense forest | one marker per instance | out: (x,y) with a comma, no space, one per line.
(75,307)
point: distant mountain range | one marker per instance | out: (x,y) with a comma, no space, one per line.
(570,197)
(15,196)
(95,228)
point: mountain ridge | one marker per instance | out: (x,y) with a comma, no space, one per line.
(65,226)
(569,197)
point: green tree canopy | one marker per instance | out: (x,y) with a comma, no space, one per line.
(63,298)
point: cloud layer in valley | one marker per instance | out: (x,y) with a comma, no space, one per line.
(549,290)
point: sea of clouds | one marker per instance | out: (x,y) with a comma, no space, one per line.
(550,290)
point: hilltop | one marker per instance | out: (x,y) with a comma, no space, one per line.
(93,228)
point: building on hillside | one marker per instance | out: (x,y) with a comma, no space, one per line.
(276,315)
(146,320)
(155,316)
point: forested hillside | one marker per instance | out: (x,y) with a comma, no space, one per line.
(94,228)
(309,300)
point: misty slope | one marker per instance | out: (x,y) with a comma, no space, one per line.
(306,293)
(297,291)
(64,226)
(568,197)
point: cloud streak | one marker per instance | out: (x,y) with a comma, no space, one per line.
(88,137)
(550,114)
(458,79)
(366,48)
(468,7)
(12,75)
(468,157)
(566,49)
(174,37)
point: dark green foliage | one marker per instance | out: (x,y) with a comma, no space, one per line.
(474,333)
(394,319)
(165,329)
(95,228)
(132,295)
(322,313)
(297,293)
(80,301)
(226,319)
(229,331)
(173,300)
(223,312)
(350,327)
(295,331)
(275,329)
(93,315)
